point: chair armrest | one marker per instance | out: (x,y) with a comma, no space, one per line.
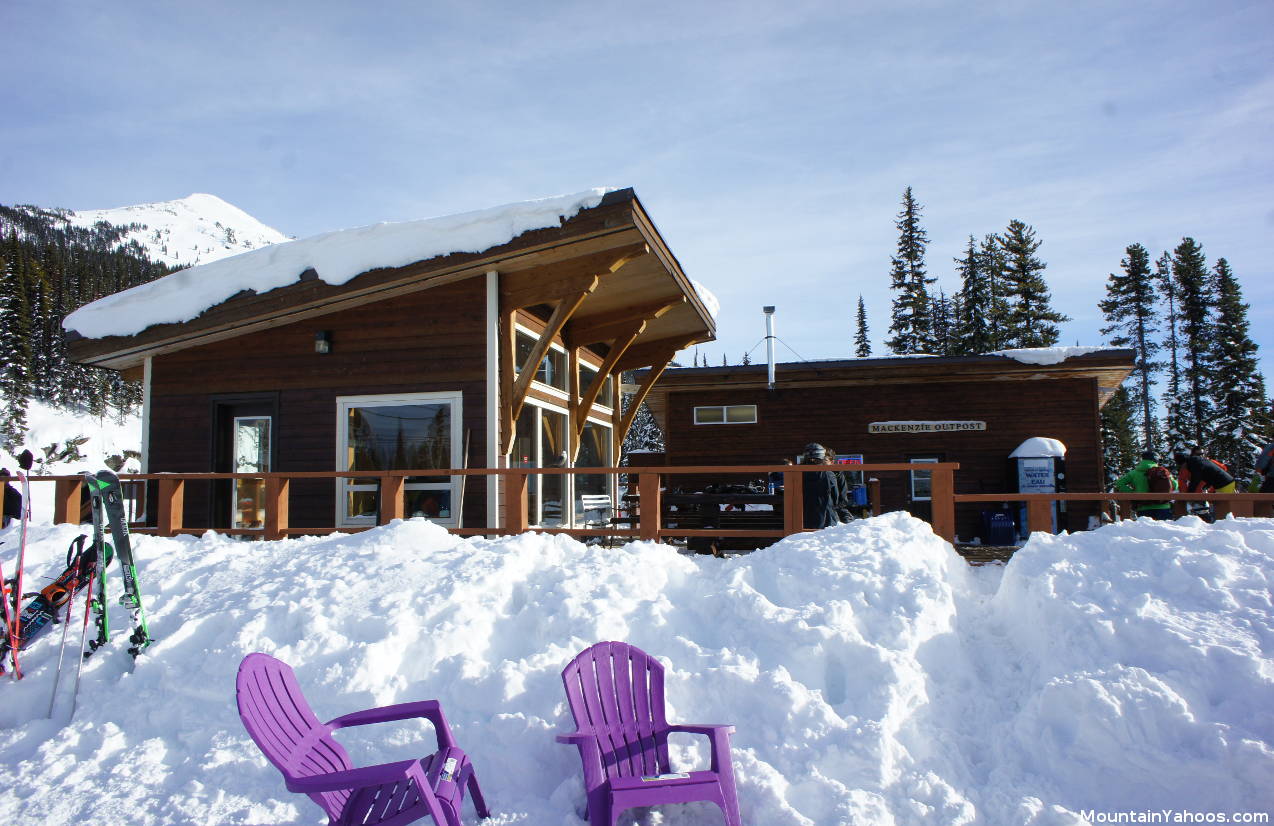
(719,739)
(431,710)
(590,755)
(702,728)
(356,778)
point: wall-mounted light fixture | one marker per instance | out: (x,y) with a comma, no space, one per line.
(322,342)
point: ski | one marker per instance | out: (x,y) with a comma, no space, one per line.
(97,600)
(10,626)
(13,604)
(111,494)
(41,611)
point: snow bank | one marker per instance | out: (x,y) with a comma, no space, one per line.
(1046,355)
(336,257)
(872,676)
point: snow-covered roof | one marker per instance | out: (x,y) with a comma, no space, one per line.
(335,257)
(1046,355)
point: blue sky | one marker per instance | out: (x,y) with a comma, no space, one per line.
(771,142)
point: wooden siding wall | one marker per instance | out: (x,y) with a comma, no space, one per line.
(837,417)
(424,342)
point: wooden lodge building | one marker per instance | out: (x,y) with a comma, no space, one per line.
(498,339)
(972,410)
(504,356)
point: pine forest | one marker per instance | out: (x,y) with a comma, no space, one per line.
(48,268)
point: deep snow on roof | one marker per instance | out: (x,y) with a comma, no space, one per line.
(336,257)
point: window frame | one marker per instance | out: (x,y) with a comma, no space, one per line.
(344,486)
(928,459)
(725,415)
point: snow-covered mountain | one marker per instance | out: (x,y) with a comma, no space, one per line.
(196,229)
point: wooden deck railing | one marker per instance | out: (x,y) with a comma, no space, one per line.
(1039,506)
(169,500)
(170,490)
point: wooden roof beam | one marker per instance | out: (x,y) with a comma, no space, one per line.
(607,326)
(626,422)
(548,292)
(650,353)
(618,346)
(556,283)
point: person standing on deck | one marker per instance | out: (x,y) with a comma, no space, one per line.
(1201,471)
(12,500)
(821,490)
(1265,467)
(1138,480)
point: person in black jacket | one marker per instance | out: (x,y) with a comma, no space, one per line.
(821,490)
(1203,471)
(12,500)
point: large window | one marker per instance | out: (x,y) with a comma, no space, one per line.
(540,441)
(552,370)
(587,373)
(403,432)
(594,451)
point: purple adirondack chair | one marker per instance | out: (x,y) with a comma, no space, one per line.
(616,694)
(280,722)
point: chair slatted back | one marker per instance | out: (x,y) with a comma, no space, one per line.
(616,691)
(281,723)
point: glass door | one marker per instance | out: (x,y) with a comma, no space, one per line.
(250,446)
(540,441)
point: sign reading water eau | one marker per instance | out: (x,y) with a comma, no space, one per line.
(923,427)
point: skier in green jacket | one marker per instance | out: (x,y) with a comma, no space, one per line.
(1138,480)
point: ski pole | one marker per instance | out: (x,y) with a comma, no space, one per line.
(88,605)
(25,460)
(9,626)
(75,556)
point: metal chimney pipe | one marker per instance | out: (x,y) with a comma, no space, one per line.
(769,345)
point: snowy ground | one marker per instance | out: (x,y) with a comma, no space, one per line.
(873,677)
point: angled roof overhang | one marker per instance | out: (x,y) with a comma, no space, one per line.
(632,286)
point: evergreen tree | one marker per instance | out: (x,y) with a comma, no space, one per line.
(911,320)
(51,268)
(1195,303)
(1032,321)
(1173,433)
(944,341)
(1118,439)
(974,329)
(862,340)
(644,435)
(1242,424)
(991,262)
(1129,309)
(747,359)
(15,354)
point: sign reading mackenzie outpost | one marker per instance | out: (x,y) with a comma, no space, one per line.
(923,427)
